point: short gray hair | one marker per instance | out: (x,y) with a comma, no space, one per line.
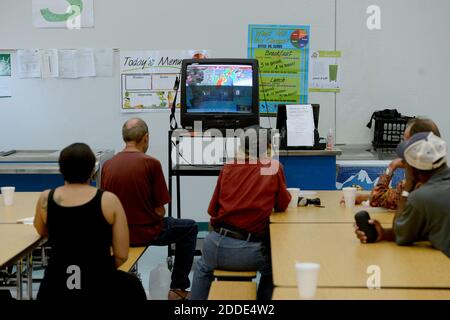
(136,132)
(255,141)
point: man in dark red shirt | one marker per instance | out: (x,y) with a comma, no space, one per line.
(138,180)
(245,195)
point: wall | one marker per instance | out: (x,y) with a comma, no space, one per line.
(396,66)
(404,65)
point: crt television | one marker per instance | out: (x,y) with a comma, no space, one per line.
(221,93)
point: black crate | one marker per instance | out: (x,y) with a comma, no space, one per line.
(388,133)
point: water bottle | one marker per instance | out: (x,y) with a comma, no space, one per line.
(159,282)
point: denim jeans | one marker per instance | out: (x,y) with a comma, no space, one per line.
(182,232)
(222,252)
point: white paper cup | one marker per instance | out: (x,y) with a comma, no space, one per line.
(8,195)
(295,192)
(307,275)
(349,196)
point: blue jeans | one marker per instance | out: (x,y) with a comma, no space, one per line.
(222,252)
(182,232)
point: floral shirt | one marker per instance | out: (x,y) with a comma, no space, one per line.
(384,196)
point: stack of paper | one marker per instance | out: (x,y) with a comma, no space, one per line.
(300,125)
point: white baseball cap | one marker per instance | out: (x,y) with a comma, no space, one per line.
(423,151)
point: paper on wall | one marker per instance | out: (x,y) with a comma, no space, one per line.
(5,87)
(104,62)
(324,75)
(85,63)
(28,63)
(49,63)
(300,125)
(76,63)
(67,63)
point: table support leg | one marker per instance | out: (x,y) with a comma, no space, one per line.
(19,294)
(30,276)
(178,198)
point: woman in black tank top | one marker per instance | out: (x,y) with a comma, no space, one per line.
(79,221)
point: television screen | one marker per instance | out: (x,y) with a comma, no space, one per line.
(219,88)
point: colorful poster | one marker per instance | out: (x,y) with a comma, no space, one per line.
(148,77)
(324,71)
(283,53)
(69,14)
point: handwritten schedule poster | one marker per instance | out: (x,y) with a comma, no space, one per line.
(283,54)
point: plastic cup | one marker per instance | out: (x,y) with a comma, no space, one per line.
(307,275)
(8,195)
(295,193)
(349,196)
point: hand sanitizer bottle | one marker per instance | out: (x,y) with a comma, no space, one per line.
(330,142)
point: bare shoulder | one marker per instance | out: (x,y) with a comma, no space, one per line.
(110,204)
(43,198)
(109,197)
(45,193)
(110,201)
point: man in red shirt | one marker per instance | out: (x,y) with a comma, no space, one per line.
(245,195)
(138,180)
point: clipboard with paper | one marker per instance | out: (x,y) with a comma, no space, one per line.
(300,125)
(299,131)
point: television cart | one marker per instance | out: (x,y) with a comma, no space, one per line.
(183,170)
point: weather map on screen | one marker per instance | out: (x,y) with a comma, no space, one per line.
(219,88)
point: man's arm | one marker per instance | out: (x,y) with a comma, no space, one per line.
(160,194)
(384,196)
(283,196)
(160,211)
(213,207)
(387,234)
(410,218)
(402,220)
(383,234)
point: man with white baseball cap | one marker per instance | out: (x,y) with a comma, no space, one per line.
(423,212)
